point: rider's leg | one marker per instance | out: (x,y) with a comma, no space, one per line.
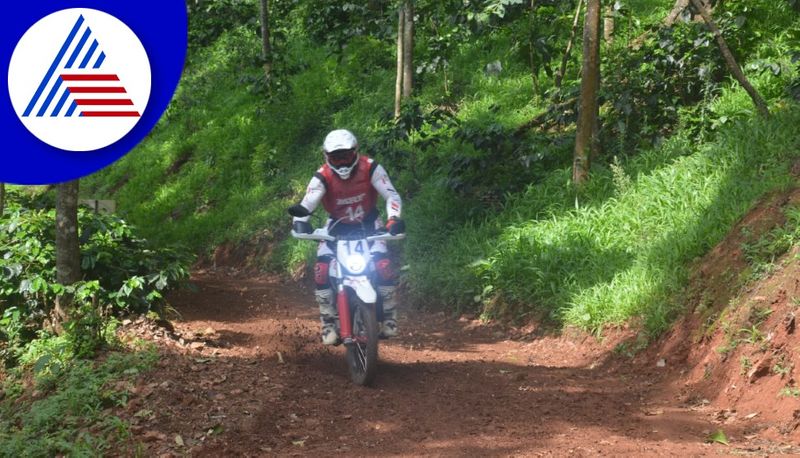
(325,298)
(387,281)
(386,288)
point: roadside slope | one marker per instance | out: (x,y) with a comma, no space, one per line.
(738,346)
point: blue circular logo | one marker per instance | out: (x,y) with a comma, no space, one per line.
(86,83)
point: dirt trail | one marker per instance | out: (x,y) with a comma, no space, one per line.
(251,380)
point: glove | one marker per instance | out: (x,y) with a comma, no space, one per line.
(396,225)
(302,227)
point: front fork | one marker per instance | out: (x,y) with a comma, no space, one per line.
(345,322)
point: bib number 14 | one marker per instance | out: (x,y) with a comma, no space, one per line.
(355,215)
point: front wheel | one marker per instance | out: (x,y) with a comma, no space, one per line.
(362,354)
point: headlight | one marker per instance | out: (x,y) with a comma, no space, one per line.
(355,263)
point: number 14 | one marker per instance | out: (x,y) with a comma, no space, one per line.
(355,215)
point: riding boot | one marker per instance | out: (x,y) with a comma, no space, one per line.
(389,328)
(327,316)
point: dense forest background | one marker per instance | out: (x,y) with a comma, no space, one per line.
(483,148)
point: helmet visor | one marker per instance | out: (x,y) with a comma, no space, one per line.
(342,157)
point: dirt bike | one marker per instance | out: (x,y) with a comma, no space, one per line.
(352,274)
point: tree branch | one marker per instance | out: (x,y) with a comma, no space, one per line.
(565,58)
(733,66)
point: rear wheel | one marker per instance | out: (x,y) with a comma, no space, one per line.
(362,354)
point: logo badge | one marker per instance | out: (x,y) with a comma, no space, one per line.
(87,81)
(79,79)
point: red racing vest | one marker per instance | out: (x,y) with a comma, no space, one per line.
(353,199)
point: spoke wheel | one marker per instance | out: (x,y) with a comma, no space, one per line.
(362,355)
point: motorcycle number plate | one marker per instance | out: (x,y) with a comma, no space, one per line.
(349,247)
(353,255)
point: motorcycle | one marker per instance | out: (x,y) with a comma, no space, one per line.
(352,275)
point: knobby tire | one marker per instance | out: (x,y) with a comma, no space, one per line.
(362,356)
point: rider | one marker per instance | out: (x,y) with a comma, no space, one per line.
(347,185)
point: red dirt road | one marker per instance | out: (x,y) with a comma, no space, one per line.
(252,380)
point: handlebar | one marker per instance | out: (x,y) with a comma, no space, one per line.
(318,234)
(323,236)
(385,236)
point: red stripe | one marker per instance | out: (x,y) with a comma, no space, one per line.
(90,77)
(97,90)
(104,101)
(115,114)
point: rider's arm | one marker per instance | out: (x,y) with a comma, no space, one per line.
(314,194)
(382,184)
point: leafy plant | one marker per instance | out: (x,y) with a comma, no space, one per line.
(782,366)
(752,334)
(121,273)
(719,437)
(208,20)
(763,252)
(745,364)
(335,23)
(70,417)
(678,67)
(790,392)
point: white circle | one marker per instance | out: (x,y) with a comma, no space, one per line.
(107,116)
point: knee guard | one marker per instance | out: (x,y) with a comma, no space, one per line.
(321,272)
(386,276)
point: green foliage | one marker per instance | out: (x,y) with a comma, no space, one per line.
(764,252)
(793,88)
(70,415)
(121,274)
(790,392)
(676,67)
(210,19)
(783,366)
(666,76)
(336,22)
(614,256)
(745,364)
(210,176)
(480,155)
(744,327)
(718,437)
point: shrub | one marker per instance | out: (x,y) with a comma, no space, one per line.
(121,273)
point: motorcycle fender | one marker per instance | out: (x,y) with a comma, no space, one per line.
(363,288)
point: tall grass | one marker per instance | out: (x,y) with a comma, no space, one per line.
(72,413)
(623,252)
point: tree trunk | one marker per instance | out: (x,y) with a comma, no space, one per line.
(563,69)
(608,23)
(266,47)
(534,75)
(398,85)
(597,146)
(733,66)
(534,70)
(408,48)
(676,11)
(588,106)
(68,255)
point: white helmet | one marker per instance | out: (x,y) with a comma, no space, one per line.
(341,152)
